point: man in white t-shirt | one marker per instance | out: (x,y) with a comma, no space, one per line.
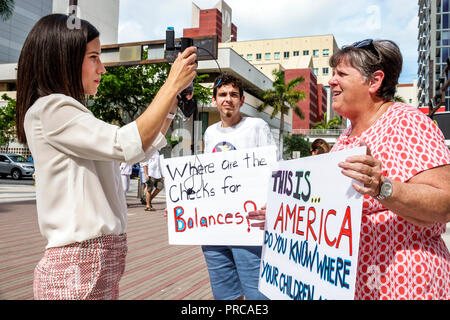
(234,270)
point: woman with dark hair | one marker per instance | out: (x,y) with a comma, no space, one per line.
(79,196)
(319,146)
(405,177)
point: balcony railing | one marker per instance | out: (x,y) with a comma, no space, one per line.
(319,132)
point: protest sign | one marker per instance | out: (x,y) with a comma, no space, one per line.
(313,223)
(208,196)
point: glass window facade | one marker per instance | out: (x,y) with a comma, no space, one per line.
(14,31)
(441,46)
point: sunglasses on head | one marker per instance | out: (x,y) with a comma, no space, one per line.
(366,44)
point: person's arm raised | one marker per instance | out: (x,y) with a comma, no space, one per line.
(182,73)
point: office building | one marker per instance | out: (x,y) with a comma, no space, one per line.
(103,14)
(311,52)
(433,48)
(408,92)
(14,31)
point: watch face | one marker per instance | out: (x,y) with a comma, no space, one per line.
(386,189)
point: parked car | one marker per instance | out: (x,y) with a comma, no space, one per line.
(15,165)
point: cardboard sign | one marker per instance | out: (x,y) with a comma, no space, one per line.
(313,223)
(208,196)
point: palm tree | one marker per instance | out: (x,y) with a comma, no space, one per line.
(6,9)
(398,98)
(334,123)
(282,97)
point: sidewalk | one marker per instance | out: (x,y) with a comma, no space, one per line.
(155,270)
(13,193)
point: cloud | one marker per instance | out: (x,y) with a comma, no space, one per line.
(131,31)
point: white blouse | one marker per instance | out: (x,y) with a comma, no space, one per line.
(79,195)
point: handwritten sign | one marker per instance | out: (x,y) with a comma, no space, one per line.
(209,195)
(312,231)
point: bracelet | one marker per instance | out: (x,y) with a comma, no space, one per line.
(170,115)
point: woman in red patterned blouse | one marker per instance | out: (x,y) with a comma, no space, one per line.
(406,177)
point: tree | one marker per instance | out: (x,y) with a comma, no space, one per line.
(334,123)
(282,97)
(6,9)
(7,121)
(398,98)
(296,142)
(126,91)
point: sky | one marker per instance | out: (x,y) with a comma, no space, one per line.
(348,21)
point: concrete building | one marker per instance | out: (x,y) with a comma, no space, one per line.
(311,52)
(14,31)
(314,105)
(409,92)
(216,21)
(433,48)
(300,56)
(103,14)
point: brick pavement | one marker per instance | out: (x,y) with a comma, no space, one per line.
(154,271)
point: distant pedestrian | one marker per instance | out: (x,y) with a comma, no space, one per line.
(155,181)
(143,179)
(319,146)
(125,173)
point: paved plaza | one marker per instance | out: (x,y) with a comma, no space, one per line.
(155,270)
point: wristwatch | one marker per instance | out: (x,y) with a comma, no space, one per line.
(385,190)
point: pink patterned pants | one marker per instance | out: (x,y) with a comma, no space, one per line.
(89,270)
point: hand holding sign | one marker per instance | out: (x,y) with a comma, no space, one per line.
(365,169)
(313,222)
(259,215)
(209,196)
